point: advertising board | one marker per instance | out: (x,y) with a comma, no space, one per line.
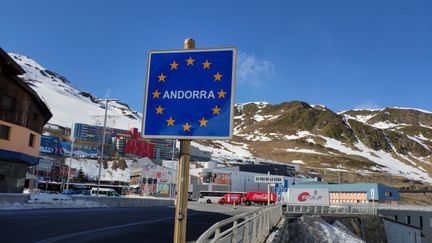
(308,196)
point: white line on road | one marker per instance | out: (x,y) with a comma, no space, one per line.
(62,237)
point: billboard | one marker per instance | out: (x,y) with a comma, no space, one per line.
(81,149)
(218,178)
(308,196)
(51,146)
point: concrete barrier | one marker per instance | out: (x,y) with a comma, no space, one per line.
(126,202)
(53,200)
(14,198)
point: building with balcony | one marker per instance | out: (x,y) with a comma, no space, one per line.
(22,117)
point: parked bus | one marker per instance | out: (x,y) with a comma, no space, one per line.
(212,196)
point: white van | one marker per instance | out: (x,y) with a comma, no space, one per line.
(104,192)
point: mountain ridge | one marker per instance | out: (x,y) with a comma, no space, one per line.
(391,143)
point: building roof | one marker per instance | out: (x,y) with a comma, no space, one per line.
(14,69)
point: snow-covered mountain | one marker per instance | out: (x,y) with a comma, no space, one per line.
(391,145)
(69,104)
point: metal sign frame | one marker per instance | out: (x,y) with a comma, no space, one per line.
(232,98)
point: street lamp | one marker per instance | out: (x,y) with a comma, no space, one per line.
(103,141)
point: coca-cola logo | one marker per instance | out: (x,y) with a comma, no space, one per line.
(260,196)
(304,196)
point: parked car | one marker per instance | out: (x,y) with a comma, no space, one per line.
(105,192)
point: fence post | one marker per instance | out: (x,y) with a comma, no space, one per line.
(216,235)
(246,230)
(254,228)
(234,236)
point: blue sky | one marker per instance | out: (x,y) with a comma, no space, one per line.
(343,54)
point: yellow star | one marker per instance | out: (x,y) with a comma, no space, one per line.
(159,110)
(174,65)
(156,94)
(186,127)
(170,122)
(161,77)
(217,76)
(221,94)
(216,110)
(190,61)
(206,64)
(203,122)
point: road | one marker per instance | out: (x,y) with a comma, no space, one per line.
(146,224)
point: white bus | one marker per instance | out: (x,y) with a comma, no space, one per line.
(212,196)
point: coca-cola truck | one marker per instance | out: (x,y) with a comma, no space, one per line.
(258,197)
(230,198)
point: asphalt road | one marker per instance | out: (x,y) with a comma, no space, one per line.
(146,224)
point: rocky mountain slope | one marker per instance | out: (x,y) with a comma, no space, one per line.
(362,144)
(391,145)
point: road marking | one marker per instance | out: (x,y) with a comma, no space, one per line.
(62,237)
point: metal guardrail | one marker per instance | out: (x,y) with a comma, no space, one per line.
(247,227)
(334,209)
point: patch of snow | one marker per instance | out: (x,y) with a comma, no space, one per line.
(91,168)
(386,125)
(296,161)
(299,134)
(228,150)
(305,151)
(417,140)
(404,108)
(422,125)
(382,158)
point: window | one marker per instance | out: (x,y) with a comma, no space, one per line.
(31,140)
(408,219)
(396,217)
(388,194)
(4,132)
(421,221)
(8,103)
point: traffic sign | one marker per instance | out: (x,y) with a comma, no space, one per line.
(189,94)
(281,187)
(269,179)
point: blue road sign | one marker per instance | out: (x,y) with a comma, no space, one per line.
(279,187)
(189,94)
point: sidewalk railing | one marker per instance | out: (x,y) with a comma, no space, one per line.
(334,209)
(247,227)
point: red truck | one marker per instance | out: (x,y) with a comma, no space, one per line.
(230,198)
(258,197)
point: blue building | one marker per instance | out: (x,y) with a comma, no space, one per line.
(357,193)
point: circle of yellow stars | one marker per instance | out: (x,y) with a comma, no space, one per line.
(174,66)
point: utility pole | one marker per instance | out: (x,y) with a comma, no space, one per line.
(70,162)
(171,189)
(268,191)
(183,179)
(103,142)
(340,202)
